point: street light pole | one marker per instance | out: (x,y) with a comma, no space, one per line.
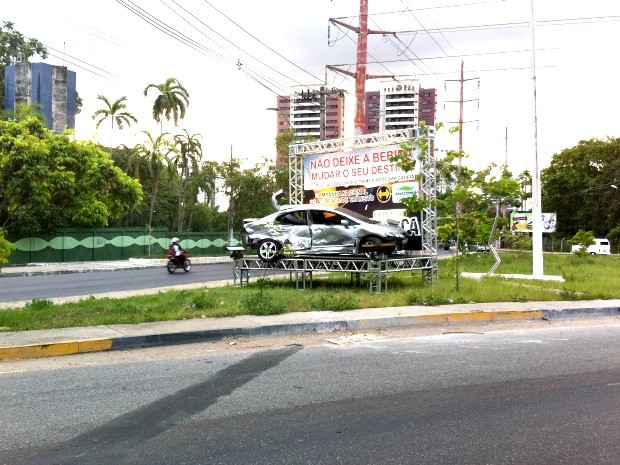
(537,249)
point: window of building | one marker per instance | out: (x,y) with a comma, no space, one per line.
(425,110)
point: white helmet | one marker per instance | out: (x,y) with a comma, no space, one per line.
(175,239)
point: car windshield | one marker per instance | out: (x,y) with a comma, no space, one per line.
(356,215)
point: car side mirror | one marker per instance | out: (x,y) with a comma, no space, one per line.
(344,222)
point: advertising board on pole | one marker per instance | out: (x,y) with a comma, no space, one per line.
(364,180)
(522,222)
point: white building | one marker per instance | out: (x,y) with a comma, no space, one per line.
(404,104)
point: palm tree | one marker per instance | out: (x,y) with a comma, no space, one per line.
(188,152)
(170,102)
(116,112)
(154,152)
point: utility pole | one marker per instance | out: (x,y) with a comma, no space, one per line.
(506,149)
(361,62)
(461,102)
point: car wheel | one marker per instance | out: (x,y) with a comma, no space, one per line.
(372,240)
(268,250)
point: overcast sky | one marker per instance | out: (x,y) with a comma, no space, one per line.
(249,51)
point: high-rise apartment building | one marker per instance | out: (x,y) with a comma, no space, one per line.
(372,122)
(51,87)
(398,105)
(405,104)
(315,111)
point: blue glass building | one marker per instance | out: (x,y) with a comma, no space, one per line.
(51,87)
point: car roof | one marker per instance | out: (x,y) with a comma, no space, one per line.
(306,206)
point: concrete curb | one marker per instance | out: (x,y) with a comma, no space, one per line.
(322,326)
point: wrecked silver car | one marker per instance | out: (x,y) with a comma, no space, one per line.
(318,229)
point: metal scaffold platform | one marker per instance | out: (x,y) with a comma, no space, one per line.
(374,271)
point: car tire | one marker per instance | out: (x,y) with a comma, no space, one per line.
(268,250)
(373,240)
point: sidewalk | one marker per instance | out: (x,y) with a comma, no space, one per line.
(41,343)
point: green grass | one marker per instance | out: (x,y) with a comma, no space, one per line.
(590,277)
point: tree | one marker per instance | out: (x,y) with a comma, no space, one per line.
(285,139)
(577,185)
(13,46)
(249,190)
(6,248)
(188,152)
(584,239)
(23,111)
(115,111)
(171,101)
(154,154)
(50,181)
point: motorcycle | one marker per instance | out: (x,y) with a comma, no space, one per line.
(175,262)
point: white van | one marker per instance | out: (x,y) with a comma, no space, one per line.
(600,247)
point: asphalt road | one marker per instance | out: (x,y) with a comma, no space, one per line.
(49,286)
(549,395)
(20,288)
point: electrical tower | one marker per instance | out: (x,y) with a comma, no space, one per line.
(360,67)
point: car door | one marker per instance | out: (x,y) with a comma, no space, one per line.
(331,232)
(294,224)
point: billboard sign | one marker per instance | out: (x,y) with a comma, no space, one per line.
(522,222)
(366,181)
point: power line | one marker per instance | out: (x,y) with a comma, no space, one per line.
(66,57)
(262,43)
(438,7)
(420,23)
(184,39)
(245,52)
(520,24)
(166,29)
(81,61)
(404,51)
(502,52)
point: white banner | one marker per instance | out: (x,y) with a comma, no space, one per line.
(362,167)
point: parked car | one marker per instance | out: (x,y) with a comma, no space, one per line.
(317,229)
(450,245)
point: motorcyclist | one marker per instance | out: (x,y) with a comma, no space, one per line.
(177,251)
